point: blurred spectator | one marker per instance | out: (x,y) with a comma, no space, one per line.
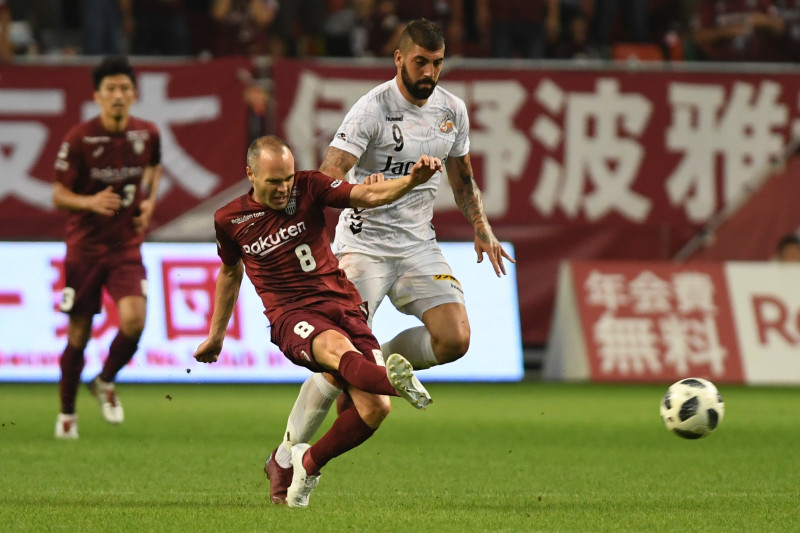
(378,28)
(298,28)
(519,28)
(740,30)
(161,28)
(339,27)
(242,26)
(633,14)
(6,50)
(573,41)
(448,14)
(788,250)
(107,26)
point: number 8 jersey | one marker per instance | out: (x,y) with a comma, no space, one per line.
(287,253)
(388,134)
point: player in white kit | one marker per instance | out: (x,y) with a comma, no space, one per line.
(392,250)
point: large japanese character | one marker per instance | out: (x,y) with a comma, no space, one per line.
(703,129)
(650,294)
(595,152)
(626,345)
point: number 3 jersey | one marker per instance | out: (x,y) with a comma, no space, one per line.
(287,253)
(388,134)
(92,158)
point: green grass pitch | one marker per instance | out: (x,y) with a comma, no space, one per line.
(484,457)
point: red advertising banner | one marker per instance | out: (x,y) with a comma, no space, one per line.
(576,164)
(197,106)
(656,322)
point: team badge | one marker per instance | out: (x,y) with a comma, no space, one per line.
(445,122)
(291,207)
(137,139)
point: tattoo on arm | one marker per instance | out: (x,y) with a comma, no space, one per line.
(468,196)
(337,163)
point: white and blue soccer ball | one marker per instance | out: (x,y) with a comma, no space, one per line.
(692,408)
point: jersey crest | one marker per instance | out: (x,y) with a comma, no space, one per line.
(445,122)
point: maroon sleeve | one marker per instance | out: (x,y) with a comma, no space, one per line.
(69,158)
(329,191)
(227,249)
(155,157)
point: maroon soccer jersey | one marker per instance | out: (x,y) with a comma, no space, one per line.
(287,254)
(90,159)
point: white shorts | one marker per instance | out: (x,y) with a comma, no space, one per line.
(414,284)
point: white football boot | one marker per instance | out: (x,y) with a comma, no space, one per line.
(401,376)
(302,483)
(67,426)
(109,402)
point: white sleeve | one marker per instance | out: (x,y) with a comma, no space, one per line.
(357,129)
(461,145)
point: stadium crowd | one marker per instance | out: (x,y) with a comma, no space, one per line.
(731,30)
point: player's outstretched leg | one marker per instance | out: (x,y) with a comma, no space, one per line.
(302,483)
(109,402)
(401,375)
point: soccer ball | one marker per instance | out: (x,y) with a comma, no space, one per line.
(692,408)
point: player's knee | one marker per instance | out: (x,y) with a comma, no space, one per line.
(453,346)
(375,411)
(132,327)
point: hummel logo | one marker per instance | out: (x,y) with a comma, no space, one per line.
(394,119)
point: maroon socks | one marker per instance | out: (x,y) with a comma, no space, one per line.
(364,374)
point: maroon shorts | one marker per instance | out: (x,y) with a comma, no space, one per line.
(85,279)
(294,332)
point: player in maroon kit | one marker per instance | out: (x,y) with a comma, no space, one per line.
(277,230)
(106,176)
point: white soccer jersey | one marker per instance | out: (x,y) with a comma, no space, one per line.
(388,134)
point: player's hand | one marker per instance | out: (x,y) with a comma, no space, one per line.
(374,178)
(142,221)
(425,167)
(208,351)
(488,243)
(105,202)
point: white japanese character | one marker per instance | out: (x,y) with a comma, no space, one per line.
(626,345)
(606,290)
(595,151)
(743,133)
(650,294)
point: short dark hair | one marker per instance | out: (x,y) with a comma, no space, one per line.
(788,240)
(267,142)
(421,32)
(111,66)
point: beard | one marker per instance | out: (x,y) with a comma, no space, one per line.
(416,89)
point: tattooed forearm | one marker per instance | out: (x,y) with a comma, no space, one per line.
(468,198)
(467,195)
(337,163)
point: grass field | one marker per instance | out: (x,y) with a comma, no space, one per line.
(513,457)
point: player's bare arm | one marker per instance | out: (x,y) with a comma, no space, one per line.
(337,163)
(382,192)
(105,202)
(229,280)
(469,200)
(150,180)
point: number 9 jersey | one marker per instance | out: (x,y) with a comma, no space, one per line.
(287,253)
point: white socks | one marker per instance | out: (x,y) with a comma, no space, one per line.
(312,405)
(415,345)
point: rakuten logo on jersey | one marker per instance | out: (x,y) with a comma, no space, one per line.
(266,244)
(111,175)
